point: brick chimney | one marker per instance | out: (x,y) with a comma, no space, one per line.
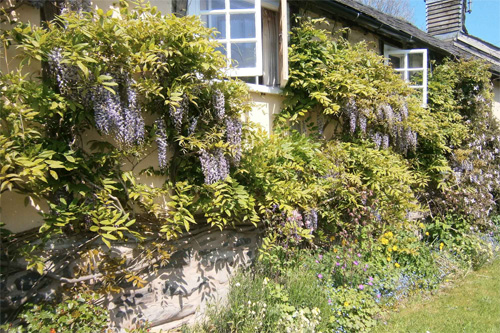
(446,18)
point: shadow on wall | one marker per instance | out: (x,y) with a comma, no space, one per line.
(199,271)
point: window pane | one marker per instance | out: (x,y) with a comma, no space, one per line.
(222,49)
(248,79)
(212,4)
(397,61)
(243,26)
(418,92)
(245,55)
(416,60)
(401,73)
(242,4)
(216,21)
(416,78)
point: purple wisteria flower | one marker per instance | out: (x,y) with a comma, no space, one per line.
(118,113)
(233,136)
(219,105)
(161,141)
(177,113)
(192,127)
(311,220)
(66,75)
(214,165)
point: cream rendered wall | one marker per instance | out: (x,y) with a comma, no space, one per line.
(20,217)
(164,6)
(496,98)
(355,34)
(13,211)
(26,14)
(264,109)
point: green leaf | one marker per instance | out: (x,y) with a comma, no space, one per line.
(70,158)
(53,174)
(109,236)
(84,68)
(105,241)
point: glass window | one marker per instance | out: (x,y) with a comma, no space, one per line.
(412,66)
(212,4)
(238,23)
(216,21)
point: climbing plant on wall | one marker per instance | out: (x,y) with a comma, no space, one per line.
(118,88)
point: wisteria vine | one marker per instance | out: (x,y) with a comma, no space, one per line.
(389,127)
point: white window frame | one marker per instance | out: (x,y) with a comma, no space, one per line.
(194,9)
(390,51)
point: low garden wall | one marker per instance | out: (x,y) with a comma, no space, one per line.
(198,271)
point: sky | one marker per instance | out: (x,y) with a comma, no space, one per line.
(482,22)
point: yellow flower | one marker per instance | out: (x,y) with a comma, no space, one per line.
(344,242)
(441,246)
(421,225)
(332,238)
(335,250)
(390,250)
(397,265)
(388,258)
(395,248)
(389,234)
(384,241)
(427,233)
(346,304)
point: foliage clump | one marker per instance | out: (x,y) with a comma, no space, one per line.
(116,88)
(355,218)
(351,85)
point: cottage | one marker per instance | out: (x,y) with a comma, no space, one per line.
(254,36)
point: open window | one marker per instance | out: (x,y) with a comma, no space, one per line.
(239,25)
(412,66)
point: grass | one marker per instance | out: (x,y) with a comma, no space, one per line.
(473,305)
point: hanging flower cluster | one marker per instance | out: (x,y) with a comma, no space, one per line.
(161,141)
(233,136)
(477,175)
(192,127)
(387,128)
(214,165)
(292,224)
(116,113)
(311,220)
(177,113)
(65,75)
(219,105)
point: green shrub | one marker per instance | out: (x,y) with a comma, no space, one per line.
(257,302)
(457,235)
(79,314)
(377,189)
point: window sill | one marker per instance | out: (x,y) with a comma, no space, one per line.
(264,89)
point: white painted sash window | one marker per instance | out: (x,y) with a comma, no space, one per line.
(412,66)
(239,25)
